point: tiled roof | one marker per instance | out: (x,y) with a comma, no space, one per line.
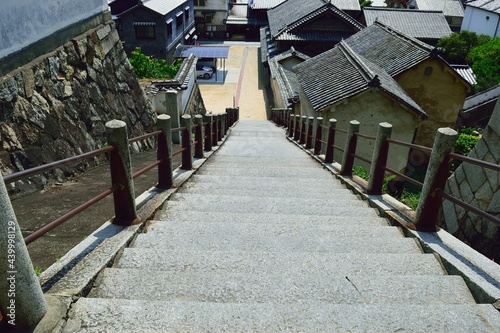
(489,5)
(341,73)
(286,79)
(415,23)
(466,72)
(265,4)
(291,14)
(481,98)
(161,6)
(448,7)
(388,48)
(267,45)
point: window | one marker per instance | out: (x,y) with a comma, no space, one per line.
(179,21)
(186,13)
(169,28)
(199,3)
(145,32)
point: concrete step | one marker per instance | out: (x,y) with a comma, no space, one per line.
(216,161)
(98,315)
(224,287)
(277,192)
(256,183)
(275,172)
(271,243)
(365,217)
(272,205)
(213,229)
(266,181)
(339,200)
(282,262)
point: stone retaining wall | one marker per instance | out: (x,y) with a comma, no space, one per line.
(56,106)
(479,187)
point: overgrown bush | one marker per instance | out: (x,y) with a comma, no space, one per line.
(467,139)
(410,194)
(148,67)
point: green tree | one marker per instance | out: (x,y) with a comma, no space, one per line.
(148,67)
(486,64)
(396,3)
(365,3)
(458,45)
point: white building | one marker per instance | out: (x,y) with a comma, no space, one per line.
(482,17)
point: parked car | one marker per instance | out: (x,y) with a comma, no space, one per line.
(204,71)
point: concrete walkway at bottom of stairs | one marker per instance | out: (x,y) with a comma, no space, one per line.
(241,269)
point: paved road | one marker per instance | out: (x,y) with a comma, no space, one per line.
(245,78)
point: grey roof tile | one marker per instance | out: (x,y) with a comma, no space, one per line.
(415,23)
(489,5)
(341,73)
(294,13)
(388,48)
(448,7)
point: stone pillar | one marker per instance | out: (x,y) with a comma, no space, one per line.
(435,180)
(349,149)
(164,152)
(330,141)
(187,154)
(379,159)
(121,173)
(198,136)
(318,135)
(173,104)
(208,132)
(21,298)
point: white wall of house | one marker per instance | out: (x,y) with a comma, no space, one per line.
(23,22)
(481,21)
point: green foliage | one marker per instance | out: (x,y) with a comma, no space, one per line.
(396,3)
(458,45)
(148,67)
(466,140)
(410,195)
(486,64)
(365,3)
(38,271)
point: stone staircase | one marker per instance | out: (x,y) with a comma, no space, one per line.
(262,239)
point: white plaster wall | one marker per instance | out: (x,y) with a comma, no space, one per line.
(23,22)
(475,20)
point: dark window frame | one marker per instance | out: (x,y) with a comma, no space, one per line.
(145,32)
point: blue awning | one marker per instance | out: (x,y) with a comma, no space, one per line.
(199,51)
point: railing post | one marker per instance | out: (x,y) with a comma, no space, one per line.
(303,132)
(121,173)
(223,124)
(21,298)
(164,152)
(173,104)
(330,141)
(208,132)
(220,133)
(198,136)
(319,136)
(309,132)
(379,159)
(429,205)
(230,117)
(291,124)
(296,134)
(187,153)
(215,130)
(350,149)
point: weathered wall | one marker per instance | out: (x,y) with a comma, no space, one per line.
(370,109)
(23,22)
(56,106)
(439,91)
(479,187)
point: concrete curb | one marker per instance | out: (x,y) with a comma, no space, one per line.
(480,273)
(72,276)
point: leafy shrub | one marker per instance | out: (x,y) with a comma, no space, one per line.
(466,140)
(148,67)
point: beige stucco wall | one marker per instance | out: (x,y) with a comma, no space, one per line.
(441,94)
(371,108)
